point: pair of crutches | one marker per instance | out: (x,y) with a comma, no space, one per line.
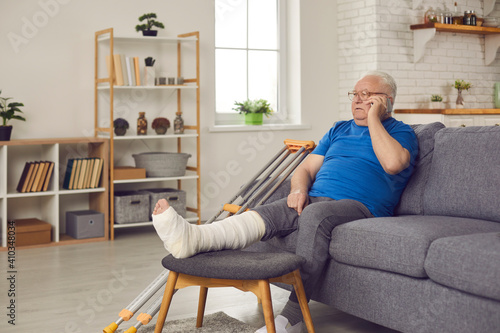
(276,171)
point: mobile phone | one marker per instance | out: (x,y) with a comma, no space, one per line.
(389,105)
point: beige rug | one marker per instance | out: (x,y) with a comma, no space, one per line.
(213,323)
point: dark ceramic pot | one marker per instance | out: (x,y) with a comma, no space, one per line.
(5,132)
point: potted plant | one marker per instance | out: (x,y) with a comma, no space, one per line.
(461,85)
(150,22)
(8,112)
(437,101)
(254,110)
(160,125)
(121,126)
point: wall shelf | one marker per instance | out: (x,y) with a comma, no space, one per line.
(424,33)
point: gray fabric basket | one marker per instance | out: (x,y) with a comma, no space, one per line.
(160,164)
(176,198)
(131,207)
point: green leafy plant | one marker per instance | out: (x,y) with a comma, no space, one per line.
(150,23)
(8,111)
(462,85)
(436,98)
(120,123)
(254,106)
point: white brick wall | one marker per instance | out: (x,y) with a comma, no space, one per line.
(376,35)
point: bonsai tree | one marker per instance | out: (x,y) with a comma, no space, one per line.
(9,111)
(121,126)
(254,106)
(461,85)
(160,125)
(150,23)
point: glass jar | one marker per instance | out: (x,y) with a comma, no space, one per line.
(142,124)
(470,18)
(178,124)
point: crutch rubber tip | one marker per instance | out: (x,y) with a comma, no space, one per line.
(131,330)
(111,328)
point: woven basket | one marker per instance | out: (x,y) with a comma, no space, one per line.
(159,164)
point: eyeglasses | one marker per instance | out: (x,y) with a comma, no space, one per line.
(363,94)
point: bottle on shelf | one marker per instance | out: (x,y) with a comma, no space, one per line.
(142,124)
(457,18)
(178,124)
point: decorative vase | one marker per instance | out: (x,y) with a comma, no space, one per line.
(5,132)
(120,131)
(253,118)
(460,100)
(149,76)
(178,125)
(437,105)
(161,130)
(142,124)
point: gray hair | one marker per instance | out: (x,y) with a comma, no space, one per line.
(386,78)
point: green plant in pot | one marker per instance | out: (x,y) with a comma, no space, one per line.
(254,110)
(461,85)
(160,125)
(150,23)
(7,112)
(121,126)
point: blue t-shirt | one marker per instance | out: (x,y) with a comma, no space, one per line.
(351,169)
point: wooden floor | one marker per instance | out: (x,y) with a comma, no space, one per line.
(81,288)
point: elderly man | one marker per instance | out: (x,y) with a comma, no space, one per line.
(358,170)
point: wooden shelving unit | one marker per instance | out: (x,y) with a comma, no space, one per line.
(450,117)
(423,33)
(50,205)
(104,115)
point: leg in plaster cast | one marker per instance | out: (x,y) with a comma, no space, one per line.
(184,240)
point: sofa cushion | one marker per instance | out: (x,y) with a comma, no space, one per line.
(398,244)
(464,178)
(468,263)
(411,202)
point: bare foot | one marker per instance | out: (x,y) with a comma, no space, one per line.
(161,206)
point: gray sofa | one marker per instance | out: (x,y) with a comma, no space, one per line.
(435,265)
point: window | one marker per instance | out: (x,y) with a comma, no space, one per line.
(248,40)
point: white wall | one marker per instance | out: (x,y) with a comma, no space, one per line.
(47,63)
(376,35)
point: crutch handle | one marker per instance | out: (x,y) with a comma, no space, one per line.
(126,314)
(294,145)
(231,208)
(131,330)
(111,328)
(144,318)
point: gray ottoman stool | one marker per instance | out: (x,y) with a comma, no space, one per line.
(247,271)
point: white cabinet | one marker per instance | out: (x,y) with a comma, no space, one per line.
(50,205)
(174,57)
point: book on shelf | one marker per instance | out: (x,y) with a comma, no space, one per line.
(35,177)
(137,71)
(83,173)
(126,70)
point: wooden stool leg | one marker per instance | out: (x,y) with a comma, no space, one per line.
(201,306)
(167,299)
(301,295)
(267,305)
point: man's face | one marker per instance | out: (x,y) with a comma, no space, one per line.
(359,108)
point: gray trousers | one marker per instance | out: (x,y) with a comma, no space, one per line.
(314,228)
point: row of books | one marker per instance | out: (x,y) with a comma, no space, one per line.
(127,70)
(83,173)
(35,177)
